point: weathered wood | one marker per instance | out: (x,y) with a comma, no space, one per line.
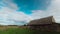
(45,24)
(47,20)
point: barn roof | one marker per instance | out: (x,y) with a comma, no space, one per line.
(46,20)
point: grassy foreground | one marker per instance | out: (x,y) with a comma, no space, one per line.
(16,31)
(24,31)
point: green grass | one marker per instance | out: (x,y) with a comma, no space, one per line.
(14,31)
(24,31)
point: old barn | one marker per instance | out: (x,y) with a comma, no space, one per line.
(44,24)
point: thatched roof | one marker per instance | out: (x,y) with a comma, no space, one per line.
(46,20)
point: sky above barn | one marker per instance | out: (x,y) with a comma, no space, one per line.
(20,12)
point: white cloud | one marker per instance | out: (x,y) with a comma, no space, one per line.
(8,3)
(39,14)
(10,16)
(52,10)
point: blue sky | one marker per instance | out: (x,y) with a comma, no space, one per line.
(27,5)
(20,12)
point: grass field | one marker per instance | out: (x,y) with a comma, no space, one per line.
(16,31)
(24,31)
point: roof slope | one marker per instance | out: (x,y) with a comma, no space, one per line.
(46,20)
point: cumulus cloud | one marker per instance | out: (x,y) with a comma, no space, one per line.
(36,14)
(8,3)
(10,16)
(52,10)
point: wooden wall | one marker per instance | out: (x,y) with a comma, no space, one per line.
(47,27)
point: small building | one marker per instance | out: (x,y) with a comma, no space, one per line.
(45,24)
